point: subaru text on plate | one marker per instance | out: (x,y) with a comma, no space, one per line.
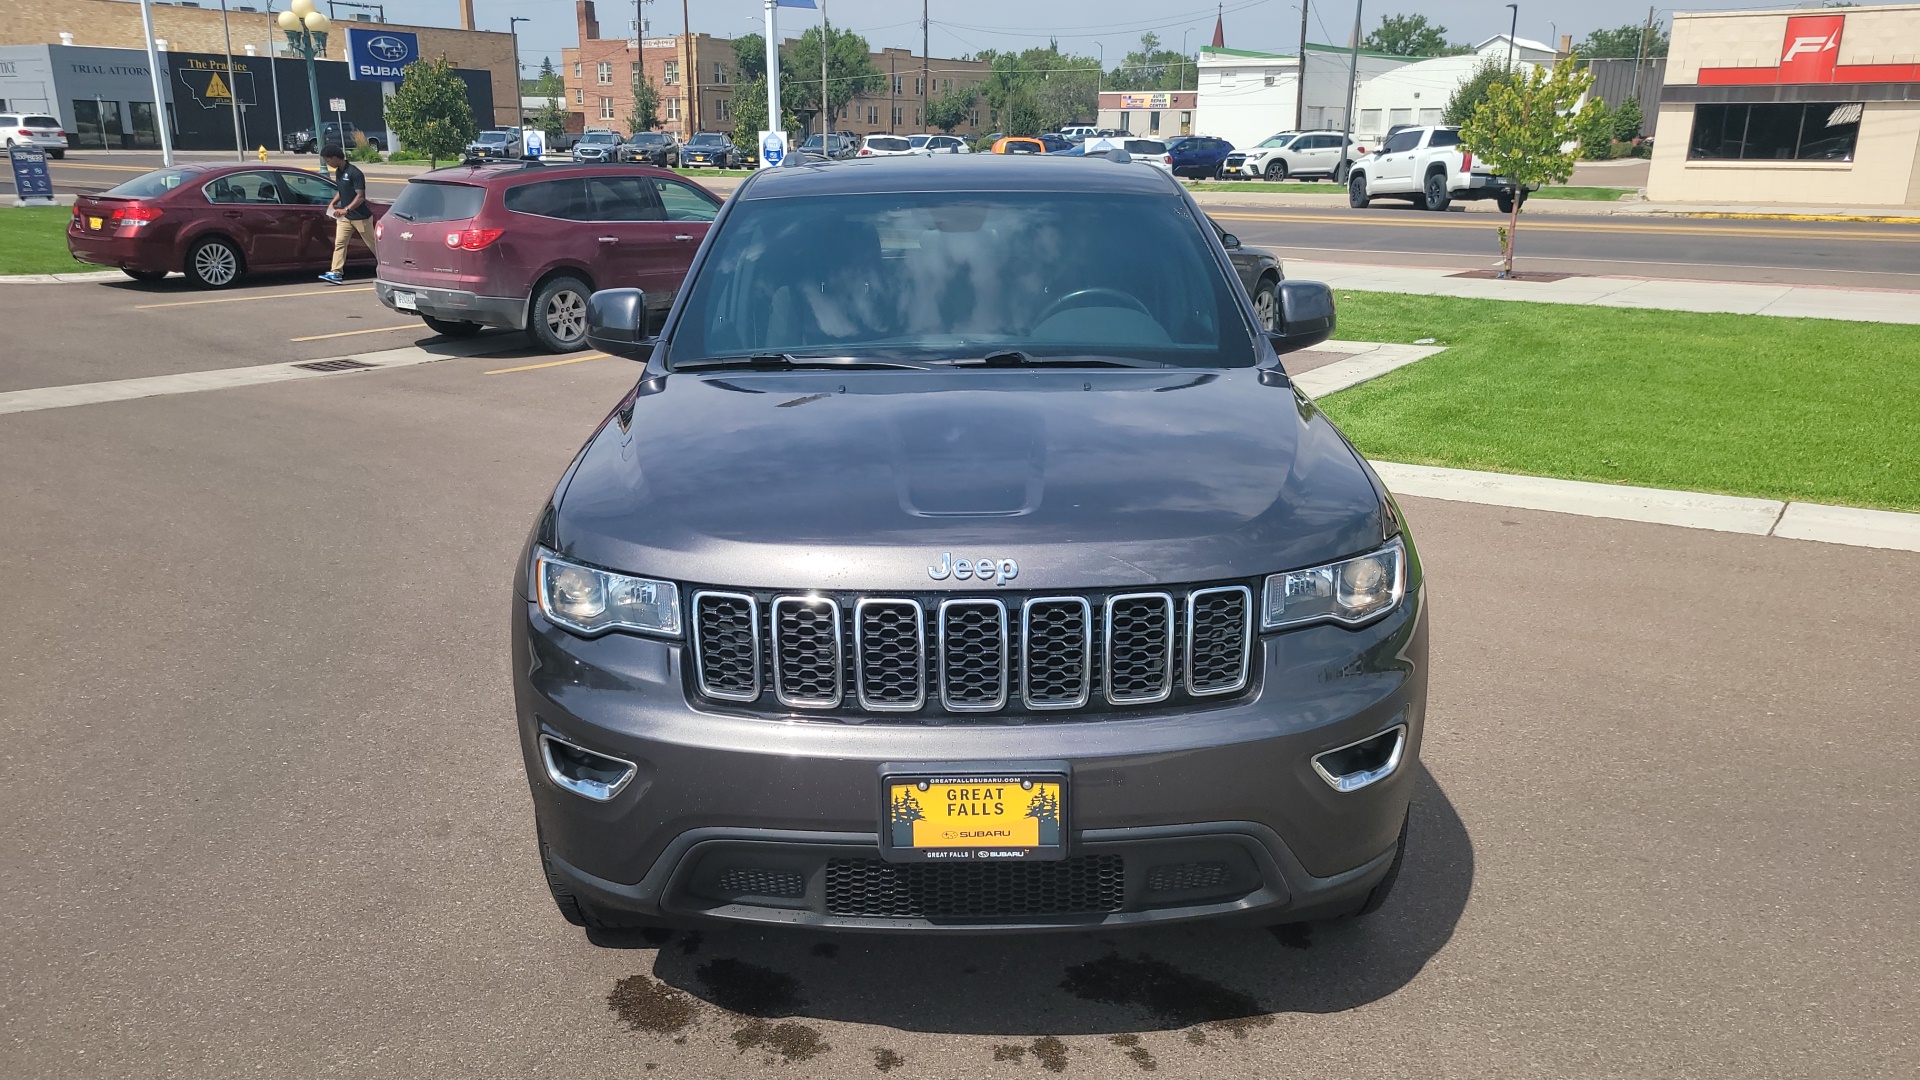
(953,567)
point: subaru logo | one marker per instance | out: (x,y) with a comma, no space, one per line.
(998,571)
(388,48)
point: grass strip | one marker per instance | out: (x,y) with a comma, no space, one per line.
(1815,410)
(33,240)
(1587,194)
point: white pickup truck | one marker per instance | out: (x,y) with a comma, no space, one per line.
(1425,164)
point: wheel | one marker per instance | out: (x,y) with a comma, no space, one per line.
(1357,191)
(375,143)
(1385,889)
(1436,194)
(451,327)
(1276,170)
(57,154)
(1266,304)
(213,264)
(558,317)
(144,275)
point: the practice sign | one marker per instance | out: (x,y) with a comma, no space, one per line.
(380,55)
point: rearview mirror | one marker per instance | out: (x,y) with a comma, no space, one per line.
(617,323)
(1306,316)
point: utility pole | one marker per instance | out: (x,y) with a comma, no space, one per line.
(1514,29)
(1640,54)
(1353,85)
(1300,83)
(692,121)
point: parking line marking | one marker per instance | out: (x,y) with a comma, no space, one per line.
(191,382)
(352,333)
(548,364)
(257,296)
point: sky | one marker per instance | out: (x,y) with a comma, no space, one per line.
(1084,26)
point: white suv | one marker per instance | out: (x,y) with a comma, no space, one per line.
(886,146)
(1295,154)
(34,129)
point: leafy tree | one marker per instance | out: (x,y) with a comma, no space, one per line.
(1623,43)
(1411,35)
(1469,94)
(645,114)
(550,118)
(429,111)
(1596,131)
(850,72)
(1040,89)
(1627,120)
(549,84)
(1154,68)
(949,110)
(750,113)
(1524,129)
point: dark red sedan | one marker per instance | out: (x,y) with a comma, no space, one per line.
(212,222)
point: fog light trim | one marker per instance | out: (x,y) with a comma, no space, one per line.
(594,788)
(1355,779)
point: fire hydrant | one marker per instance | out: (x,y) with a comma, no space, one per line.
(263,151)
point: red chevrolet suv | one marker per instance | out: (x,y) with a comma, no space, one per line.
(522,245)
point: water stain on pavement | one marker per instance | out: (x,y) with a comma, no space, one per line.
(886,1060)
(1174,997)
(1009,1052)
(793,1042)
(645,1004)
(749,989)
(1138,1054)
(1051,1052)
(1293,935)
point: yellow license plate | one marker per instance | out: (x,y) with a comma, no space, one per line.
(93,223)
(980,817)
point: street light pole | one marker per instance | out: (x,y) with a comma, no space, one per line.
(162,121)
(1514,29)
(273,69)
(307,32)
(1300,80)
(1353,85)
(519,99)
(233,88)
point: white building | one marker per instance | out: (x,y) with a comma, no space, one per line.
(1246,96)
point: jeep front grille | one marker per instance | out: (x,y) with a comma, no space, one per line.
(977,655)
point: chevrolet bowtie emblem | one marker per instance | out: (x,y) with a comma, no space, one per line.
(406,236)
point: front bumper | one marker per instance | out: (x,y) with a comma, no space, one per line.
(456,305)
(725,803)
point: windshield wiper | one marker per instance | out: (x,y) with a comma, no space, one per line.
(1019,358)
(790,362)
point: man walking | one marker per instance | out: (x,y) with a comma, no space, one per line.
(349,209)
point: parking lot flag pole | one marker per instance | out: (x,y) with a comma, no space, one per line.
(233,88)
(773,68)
(162,120)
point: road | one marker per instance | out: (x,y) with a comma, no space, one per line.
(264,814)
(1857,255)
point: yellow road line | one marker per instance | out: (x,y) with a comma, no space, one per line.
(1548,225)
(351,333)
(548,364)
(259,296)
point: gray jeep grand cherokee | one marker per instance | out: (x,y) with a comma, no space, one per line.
(955,566)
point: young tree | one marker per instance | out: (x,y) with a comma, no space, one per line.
(550,117)
(750,113)
(1627,120)
(1623,43)
(1527,130)
(645,115)
(429,111)
(1469,94)
(850,72)
(949,110)
(1411,35)
(549,84)
(1596,131)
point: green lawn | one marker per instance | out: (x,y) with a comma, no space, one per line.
(1798,409)
(1592,194)
(33,240)
(1589,194)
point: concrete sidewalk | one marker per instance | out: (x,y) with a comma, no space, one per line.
(1789,301)
(1631,206)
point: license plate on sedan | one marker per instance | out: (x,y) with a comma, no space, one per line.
(403,301)
(984,816)
(94,223)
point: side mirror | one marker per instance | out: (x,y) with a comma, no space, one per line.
(617,323)
(1229,241)
(1306,316)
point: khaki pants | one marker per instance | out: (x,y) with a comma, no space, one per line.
(343,230)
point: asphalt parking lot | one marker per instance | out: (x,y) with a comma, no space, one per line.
(264,814)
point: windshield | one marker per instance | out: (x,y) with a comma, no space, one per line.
(493,136)
(1277,142)
(708,140)
(599,137)
(430,200)
(934,276)
(647,138)
(148,185)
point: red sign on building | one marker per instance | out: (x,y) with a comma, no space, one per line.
(1810,56)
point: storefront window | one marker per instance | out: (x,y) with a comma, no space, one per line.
(1814,131)
(96,124)
(146,135)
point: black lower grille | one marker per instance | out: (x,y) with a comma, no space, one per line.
(755,882)
(1178,877)
(1087,885)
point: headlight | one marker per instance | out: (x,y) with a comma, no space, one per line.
(1349,592)
(588,600)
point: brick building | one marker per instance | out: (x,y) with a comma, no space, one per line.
(898,107)
(116,23)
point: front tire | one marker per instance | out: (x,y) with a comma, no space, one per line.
(1357,191)
(1276,171)
(144,275)
(557,319)
(57,155)
(451,327)
(213,264)
(1437,196)
(1504,201)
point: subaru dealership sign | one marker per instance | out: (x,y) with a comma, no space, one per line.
(378,55)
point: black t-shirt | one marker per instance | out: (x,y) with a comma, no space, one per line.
(348,182)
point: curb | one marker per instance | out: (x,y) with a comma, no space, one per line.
(1872,219)
(61,279)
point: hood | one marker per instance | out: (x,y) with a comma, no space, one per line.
(864,480)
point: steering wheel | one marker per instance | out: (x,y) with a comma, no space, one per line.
(1079,297)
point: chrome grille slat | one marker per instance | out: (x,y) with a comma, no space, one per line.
(1218,642)
(807,652)
(889,654)
(726,645)
(1056,652)
(973,655)
(1138,656)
